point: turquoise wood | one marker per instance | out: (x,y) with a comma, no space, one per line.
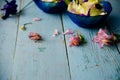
(31,63)
(52,58)
(89,62)
(8,30)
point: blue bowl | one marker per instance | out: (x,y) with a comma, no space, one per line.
(51,7)
(91,21)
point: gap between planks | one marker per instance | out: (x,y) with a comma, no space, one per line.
(19,12)
(65,46)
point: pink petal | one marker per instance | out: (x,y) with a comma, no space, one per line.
(55,33)
(34,36)
(74,41)
(36,19)
(101,44)
(69,31)
(102,38)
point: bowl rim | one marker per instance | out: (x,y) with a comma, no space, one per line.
(82,15)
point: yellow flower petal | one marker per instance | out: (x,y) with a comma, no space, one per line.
(22,28)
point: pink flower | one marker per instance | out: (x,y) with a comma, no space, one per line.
(76,40)
(55,33)
(36,19)
(102,38)
(69,31)
(34,36)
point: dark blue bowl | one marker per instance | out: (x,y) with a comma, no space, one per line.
(51,7)
(91,21)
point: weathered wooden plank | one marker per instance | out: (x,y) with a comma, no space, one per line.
(8,29)
(49,63)
(89,61)
(114,19)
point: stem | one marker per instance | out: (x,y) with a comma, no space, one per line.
(27,23)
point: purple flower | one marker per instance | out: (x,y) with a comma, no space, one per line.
(85,0)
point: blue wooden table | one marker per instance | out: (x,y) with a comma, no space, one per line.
(52,58)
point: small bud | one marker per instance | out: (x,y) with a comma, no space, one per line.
(22,28)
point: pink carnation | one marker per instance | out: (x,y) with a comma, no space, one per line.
(102,38)
(76,40)
(34,36)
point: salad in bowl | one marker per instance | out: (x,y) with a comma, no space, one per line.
(89,13)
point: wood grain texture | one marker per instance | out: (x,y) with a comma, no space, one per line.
(8,35)
(114,19)
(89,61)
(23,59)
(32,63)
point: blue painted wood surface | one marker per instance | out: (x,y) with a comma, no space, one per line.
(8,33)
(52,58)
(30,62)
(89,62)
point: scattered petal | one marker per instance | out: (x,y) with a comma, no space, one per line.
(35,36)
(69,31)
(36,19)
(55,33)
(76,40)
(102,38)
(22,28)
(86,7)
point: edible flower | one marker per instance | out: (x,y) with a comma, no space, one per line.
(86,7)
(36,19)
(76,40)
(68,31)
(10,8)
(35,36)
(22,28)
(55,33)
(102,38)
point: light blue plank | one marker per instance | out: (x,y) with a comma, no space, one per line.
(32,64)
(114,19)
(8,29)
(89,61)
